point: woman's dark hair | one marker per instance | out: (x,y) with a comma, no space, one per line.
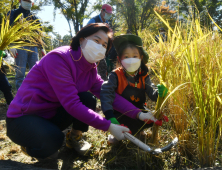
(125,45)
(89,30)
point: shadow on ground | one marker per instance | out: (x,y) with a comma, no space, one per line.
(13,165)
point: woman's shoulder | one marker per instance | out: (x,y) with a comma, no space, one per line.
(60,50)
(63,52)
(57,56)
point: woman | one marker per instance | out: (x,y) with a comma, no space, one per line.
(55,94)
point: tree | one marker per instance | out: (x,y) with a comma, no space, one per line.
(201,8)
(167,11)
(74,11)
(47,28)
(57,40)
(139,14)
(66,40)
(135,13)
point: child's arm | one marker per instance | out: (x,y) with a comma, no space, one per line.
(110,100)
(150,91)
(107,95)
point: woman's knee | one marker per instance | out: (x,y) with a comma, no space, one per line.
(47,146)
(33,131)
(56,139)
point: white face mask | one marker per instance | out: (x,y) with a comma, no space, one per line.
(131,64)
(93,52)
(26,5)
(107,16)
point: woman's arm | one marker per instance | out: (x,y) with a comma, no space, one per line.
(58,73)
(107,95)
(125,107)
(96,88)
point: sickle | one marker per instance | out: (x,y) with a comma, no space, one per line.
(146,148)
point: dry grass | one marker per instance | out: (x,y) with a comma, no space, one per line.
(1,127)
(2,157)
(14,149)
(2,137)
(189,65)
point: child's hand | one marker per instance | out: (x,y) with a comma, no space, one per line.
(114,121)
(149,118)
(162,90)
(118,131)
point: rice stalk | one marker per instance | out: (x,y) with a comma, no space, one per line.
(189,65)
(21,33)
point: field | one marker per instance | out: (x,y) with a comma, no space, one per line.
(122,156)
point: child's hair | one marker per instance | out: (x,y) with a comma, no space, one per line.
(125,45)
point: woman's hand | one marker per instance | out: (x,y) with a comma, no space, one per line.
(149,118)
(118,131)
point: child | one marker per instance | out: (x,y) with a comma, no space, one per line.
(131,81)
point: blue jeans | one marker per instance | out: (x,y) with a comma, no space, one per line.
(22,59)
(43,137)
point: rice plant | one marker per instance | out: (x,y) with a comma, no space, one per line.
(22,33)
(189,65)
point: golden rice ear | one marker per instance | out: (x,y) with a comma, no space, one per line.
(183,64)
(21,33)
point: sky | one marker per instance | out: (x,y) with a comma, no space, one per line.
(60,23)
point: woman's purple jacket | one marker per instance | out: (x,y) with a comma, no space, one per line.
(56,81)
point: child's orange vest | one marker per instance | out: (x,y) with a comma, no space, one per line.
(134,93)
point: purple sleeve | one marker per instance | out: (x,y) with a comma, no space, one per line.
(125,107)
(60,78)
(96,88)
